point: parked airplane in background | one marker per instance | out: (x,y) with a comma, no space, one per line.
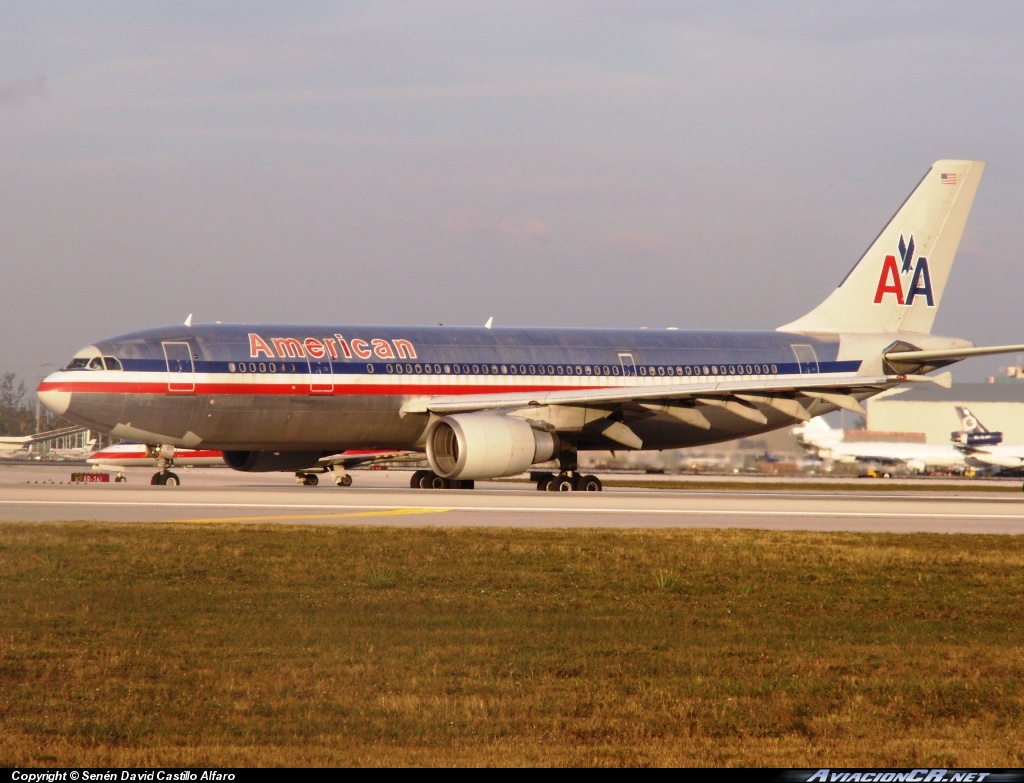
(984,448)
(818,437)
(484,403)
(121,456)
(75,452)
(19,445)
(118,457)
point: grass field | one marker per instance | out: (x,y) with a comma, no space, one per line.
(139,645)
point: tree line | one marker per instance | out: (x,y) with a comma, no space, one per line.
(18,409)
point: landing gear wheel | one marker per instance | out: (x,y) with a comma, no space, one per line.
(589,484)
(120,479)
(345,481)
(544,481)
(307,479)
(158,479)
(465,484)
(436,482)
(417,477)
(562,483)
(172,480)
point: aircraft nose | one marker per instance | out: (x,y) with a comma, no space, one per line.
(52,397)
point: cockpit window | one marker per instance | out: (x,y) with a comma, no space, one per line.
(112,363)
(89,358)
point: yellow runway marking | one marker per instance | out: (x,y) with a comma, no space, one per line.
(393,512)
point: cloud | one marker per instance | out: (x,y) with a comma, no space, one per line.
(18,92)
(635,243)
(471,221)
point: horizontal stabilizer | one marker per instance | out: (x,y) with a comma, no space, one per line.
(951,354)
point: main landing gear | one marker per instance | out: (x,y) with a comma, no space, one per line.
(568,481)
(428,479)
(164,461)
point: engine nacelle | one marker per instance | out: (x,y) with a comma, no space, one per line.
(486,445)
(268,461)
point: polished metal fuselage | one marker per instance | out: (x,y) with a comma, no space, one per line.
(325,387)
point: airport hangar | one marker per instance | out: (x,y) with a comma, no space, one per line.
(928,409)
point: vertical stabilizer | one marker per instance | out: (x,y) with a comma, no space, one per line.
(898,283)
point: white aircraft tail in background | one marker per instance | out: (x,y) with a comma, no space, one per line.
(818,437)
(984,448)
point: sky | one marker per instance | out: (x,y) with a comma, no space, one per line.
(558,163)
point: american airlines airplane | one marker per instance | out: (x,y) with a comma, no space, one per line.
(490,402)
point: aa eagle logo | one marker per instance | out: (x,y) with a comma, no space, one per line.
(891,280)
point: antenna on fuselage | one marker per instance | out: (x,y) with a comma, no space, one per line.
(188,321)
(490,323)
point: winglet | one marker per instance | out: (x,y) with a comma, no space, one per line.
(490,323)
(188,321)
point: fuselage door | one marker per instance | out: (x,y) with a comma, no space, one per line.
(181,372)
(806,359)
(628,365)
(321,375)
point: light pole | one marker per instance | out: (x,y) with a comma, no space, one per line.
(39,379)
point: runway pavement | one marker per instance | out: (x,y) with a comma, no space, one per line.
(34,493)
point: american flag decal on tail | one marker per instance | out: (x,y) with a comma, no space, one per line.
(949,179)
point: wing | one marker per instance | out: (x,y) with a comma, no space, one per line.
(571,409)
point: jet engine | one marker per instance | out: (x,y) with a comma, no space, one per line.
(486,445)
(269,461)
